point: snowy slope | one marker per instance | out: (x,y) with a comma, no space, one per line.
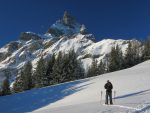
(101,49)
(104,46)
(83,96)
(14,55)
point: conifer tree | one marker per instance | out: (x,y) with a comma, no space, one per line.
(24,81)
(5,87)
(40,78)
(112,60)
(67,68)
(49,70)
(27,76)
(101,68)
(136,52)
(115,59)
(18,84)
(129,56)
(93,70)
(119,58)
(146,51)
(58,69)
(73,67)
(132,56)
(80,74)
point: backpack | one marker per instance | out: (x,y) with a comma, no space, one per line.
(108,86)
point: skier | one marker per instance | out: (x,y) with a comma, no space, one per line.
(108,86)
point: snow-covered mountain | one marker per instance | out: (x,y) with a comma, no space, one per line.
(84,96)
(64,35)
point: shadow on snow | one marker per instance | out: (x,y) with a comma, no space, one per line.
(132,94)
(37,98)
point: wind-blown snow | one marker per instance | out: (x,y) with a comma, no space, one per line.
(83,96)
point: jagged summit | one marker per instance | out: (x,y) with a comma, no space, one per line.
(67,25)
(68,20)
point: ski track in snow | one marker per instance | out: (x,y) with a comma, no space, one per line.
(145,109)
(121,106)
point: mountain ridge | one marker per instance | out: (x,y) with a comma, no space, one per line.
(64,35)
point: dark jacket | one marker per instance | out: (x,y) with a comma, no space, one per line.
(108,86)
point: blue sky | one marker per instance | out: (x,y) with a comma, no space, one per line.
(116,19)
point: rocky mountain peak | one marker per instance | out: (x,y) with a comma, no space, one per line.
(67,25)
(68,20)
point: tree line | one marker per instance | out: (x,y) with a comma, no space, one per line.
(66,67)
(135,53)
(58,69)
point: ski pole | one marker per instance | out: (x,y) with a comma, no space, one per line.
(114,95)
(101,95)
